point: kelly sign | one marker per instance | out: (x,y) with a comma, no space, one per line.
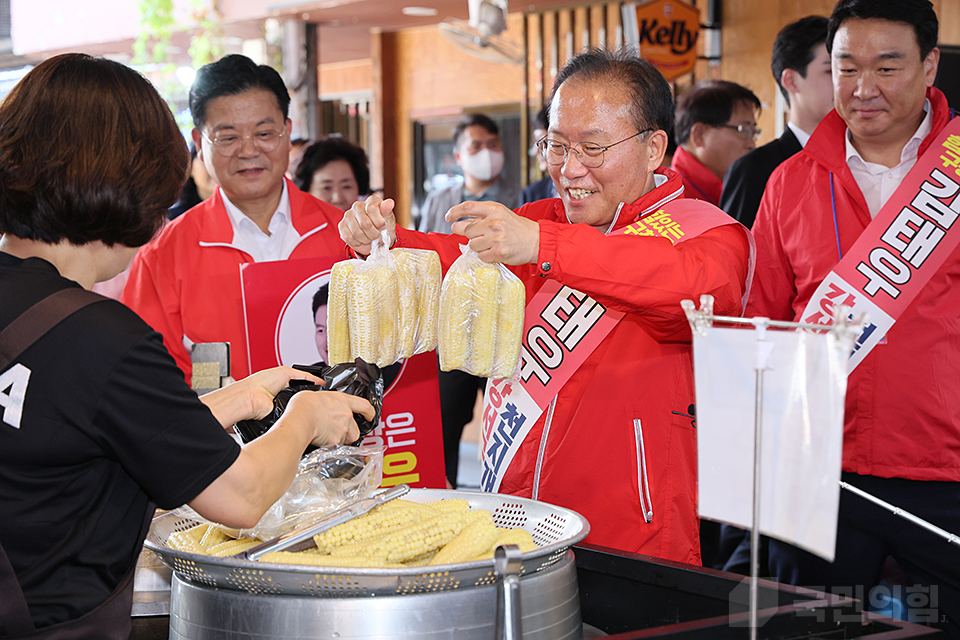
(665,33)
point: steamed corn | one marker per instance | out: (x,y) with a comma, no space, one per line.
(480,319)
(384,309)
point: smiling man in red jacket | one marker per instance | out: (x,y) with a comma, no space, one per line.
(902,421)
(613,436)
(186,282)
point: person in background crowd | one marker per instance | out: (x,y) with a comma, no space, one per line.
(96,423)
(543,188)
(613,443)
(477,150)
(296,147)
(199,186)
(902,421)
(335,171)
(186,282)
(716,123)
(801,67)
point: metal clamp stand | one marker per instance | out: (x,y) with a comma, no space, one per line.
(699,322)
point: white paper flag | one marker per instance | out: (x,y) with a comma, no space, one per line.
(802,431)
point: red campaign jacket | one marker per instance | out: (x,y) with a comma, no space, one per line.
(903,401)
(186,281)
(628,402)
(698,182)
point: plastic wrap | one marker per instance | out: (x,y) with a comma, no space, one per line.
(384,309)
(481,318)
(326,479)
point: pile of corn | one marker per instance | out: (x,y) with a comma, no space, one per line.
(383,309)
(481,318)
(399,533)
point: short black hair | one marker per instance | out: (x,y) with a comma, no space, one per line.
(88,152)
(231,76)
(321,297)
(652,104)
(795,48)
(474,119)
(319,154)
(711,102)
(919,14)
(542,119)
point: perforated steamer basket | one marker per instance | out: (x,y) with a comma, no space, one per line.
(553,528)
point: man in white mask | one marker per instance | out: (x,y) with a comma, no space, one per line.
(477,150)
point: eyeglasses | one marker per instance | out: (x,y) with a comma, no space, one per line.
(745,130)
(229,144)
(589,154)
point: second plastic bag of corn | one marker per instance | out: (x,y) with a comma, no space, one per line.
(481,318)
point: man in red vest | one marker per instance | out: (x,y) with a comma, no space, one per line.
(902,421)
(613,437)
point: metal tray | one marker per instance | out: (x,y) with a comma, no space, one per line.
(554,528)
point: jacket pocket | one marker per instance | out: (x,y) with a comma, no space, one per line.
(643,482)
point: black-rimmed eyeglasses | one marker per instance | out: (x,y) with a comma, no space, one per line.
(589,154)
(745,130)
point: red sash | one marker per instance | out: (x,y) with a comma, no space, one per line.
(900,250)
(561,328)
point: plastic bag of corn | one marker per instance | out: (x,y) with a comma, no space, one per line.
(384,308)
(481,317)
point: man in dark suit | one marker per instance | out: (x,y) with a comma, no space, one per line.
(543,188)
(801,67)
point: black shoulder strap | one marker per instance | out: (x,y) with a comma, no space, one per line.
(33,323)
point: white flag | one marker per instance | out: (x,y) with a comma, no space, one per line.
(802,431)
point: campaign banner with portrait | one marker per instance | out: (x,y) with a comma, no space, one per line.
(284,306)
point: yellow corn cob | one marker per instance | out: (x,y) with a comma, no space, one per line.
(421,560)
(338,327)
(448,505)
(519,537)
(428,297)
(454,320)
(474,539)
(377,523)
(288,557)
(412,541)
(385,292)
(197,532)
(408,314)
(363,316)
(484,333)
(183,541)
(232,547)
(213,536)
(509,327)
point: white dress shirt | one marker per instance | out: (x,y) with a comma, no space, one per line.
(877,182)
(264,247)
(801,135)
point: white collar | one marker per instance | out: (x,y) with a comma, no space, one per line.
(238,219)
(913,144)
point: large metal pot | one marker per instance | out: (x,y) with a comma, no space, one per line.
(550,607)
(214,598)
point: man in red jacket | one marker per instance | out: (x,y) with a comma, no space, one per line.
(186,282)
(614,438)
(902,421)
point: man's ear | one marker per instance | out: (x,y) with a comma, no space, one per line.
(657,144)
(697,132)
(789,79)
(930,64)
(197,142)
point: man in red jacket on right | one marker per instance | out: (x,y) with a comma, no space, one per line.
(902,419)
